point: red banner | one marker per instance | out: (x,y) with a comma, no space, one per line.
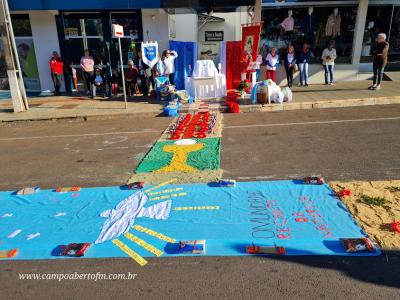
(250,40)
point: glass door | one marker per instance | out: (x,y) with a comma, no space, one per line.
(130,43)
(84,32)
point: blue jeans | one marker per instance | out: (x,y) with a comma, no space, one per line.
(378,75)
(303,69)
(329,70)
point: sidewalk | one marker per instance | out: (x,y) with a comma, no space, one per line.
(343,94)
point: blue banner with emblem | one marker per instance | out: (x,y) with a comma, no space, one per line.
(150,53)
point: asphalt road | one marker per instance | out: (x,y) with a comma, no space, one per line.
(349,143)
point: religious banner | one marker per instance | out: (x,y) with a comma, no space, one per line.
(150,53)
(250,40)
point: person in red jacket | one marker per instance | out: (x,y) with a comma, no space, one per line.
(56,67)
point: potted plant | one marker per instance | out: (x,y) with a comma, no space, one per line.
(244,87)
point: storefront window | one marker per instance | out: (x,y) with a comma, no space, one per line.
(21,25)
(394,40)
(316,26)
(382,19)
(26,51)
(84,32)
(130,43)
(3,69)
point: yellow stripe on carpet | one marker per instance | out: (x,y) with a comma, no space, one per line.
(154,233)
(132,254)
(143,244)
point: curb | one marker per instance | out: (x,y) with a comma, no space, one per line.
(222,108)
(320,104)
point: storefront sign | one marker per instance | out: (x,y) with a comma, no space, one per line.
(71,31)
(214,36)
(118,31)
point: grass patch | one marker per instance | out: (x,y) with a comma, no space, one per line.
(393,189)
(378,201)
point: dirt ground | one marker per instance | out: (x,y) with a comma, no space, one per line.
(374,219)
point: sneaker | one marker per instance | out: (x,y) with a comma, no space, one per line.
(306,84)
(331,83)
(378,87)
(300,84)
(372,87)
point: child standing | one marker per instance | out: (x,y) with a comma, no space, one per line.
(290,63)
(328,61)
(272,64)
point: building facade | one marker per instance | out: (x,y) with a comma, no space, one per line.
(69,27)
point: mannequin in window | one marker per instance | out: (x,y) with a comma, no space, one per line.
(332,28)
(309,27)
(368,38)
(287,26)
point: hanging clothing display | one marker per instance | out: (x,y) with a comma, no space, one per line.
(309,24)
(184,63)
(309,28)
(332,27)
(288,24)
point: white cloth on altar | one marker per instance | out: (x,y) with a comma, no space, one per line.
(204,68)
(206,88)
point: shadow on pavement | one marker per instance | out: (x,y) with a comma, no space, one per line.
(381,270)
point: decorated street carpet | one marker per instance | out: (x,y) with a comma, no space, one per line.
(305,219)
(188,150)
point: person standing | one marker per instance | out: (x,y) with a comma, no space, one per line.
(379,60)
(257,66)
(87,66)
(56,68)
(166,66)
(290,63)
(303,59)
(131,77)
(328,61)
(272,64)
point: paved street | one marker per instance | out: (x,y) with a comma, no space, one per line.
(341,144)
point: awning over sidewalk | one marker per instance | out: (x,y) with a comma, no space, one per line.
(82,5)
(121,4)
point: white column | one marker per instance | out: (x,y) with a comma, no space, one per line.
(359,31)
(45,39)
(155,22)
